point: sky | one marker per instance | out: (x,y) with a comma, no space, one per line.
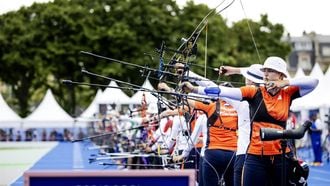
(296,15)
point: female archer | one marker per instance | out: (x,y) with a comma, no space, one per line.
(269,107)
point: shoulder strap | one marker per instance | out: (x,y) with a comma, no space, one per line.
(216,114)
(259,112)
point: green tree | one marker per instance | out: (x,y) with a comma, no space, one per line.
(41,44)
(20,67)
(267,38)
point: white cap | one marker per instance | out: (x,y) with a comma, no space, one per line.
(253,73)
(152,108)
(277,64)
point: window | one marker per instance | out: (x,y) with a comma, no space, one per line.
(304,61)
(303,46)
(326,51)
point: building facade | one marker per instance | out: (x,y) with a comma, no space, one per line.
(307,50)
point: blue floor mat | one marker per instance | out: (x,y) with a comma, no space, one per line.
(75,156)
(318,176)
(66,156)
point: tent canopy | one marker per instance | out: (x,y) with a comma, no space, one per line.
(8,118)
(92,108)
(299,73)
(137,97)
(113,95)
(49,114)
(314,99)
(88,114)
(327,74)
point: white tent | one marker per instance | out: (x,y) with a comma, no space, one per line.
(137,97)
(297,104)
(8,118)
(299,73)
(113,95)
(326,88)
(49,114)
(327,74)
(147,85)
(88,114)
(91,109)
(316,71)
(313,100)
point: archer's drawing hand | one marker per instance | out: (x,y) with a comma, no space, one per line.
(187,87)
(273,85)
(163,87)
(228,70)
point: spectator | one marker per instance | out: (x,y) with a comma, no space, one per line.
(59,137)
(81,134)
(2,135)
(291,123)
(44,135)
(316,133)
(35,135)
(67,135)
(10,135)
(53,134)
(18,136)
(28,135)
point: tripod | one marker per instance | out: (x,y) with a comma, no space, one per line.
(268,134)
(326,147)
(284,144)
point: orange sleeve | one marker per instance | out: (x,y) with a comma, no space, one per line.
(201,106)
(293,91)
(248,91)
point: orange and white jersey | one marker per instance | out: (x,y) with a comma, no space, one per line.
(222,135)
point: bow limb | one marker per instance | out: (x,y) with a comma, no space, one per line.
(190,42)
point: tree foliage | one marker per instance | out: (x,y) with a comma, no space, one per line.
(41,44)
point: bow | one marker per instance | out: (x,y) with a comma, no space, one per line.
(187,49)
(188,46)
(143,113)
(143,110)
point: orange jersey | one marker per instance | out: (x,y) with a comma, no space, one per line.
(267,111)
(218,135)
